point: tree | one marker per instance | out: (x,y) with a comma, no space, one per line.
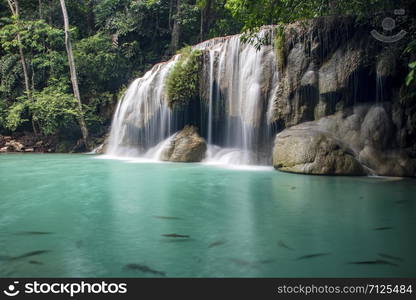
(255,13)
(176,30)
(73,72)
(14,7)
(206,7)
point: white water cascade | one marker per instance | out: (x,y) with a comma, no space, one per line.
(237,84)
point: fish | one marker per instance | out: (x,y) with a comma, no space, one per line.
(33,233)
(174,235)
(313,255)
(215,244)
(396,258)
(30,254)
(402,201)
(373,262)
(144,269)
(283,245)
(178,240)
(35,262)
(293,188)
(383,228)
(167,218)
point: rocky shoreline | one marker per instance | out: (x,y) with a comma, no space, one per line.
(22,144)
(29,143)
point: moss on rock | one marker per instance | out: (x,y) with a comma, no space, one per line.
(279,47)
(182,83)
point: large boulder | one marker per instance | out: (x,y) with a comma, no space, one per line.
(351,142)
(306,150)
(185,146)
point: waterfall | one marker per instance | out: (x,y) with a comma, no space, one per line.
(236,87)
(142,119)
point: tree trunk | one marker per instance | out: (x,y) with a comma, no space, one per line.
(170,14)
(14,7)
(205,19)
(73,73)
(40,10)
(201,29)
(176,31)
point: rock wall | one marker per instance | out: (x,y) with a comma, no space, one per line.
(346,90)
(351,142)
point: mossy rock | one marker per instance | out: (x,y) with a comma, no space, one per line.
(182,83)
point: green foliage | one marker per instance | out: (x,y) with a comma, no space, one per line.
(182,83)
(279,47)
(14,117)
(42,45)
(113,42)
(115,16)
(10,73)
(35,35)
(411,76)
(222,22)
(54,107)
(100,66)
(3,112)
(93,114)
(255,13)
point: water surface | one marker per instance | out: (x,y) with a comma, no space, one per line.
(97,216)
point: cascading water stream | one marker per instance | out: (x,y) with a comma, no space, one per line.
(142,119)
(237,80)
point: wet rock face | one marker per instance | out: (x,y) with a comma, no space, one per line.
(376,129)
(305,150)
(102,145)
(185,146)
(339,84)
(351,142)
(329,66)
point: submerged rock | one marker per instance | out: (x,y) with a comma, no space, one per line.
(303,149)
(185,146)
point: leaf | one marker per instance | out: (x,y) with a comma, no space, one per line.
(410,77)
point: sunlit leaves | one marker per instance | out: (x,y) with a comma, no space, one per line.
(54,107)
